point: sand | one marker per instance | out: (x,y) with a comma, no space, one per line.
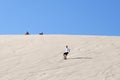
(40,57)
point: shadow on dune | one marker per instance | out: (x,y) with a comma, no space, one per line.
(81,58)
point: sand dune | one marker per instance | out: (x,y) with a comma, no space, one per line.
(36,57)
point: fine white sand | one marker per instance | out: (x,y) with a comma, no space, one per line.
(40,57)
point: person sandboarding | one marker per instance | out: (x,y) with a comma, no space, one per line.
(67,50)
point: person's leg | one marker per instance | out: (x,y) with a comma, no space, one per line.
(65,55)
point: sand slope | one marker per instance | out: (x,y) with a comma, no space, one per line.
(36,57)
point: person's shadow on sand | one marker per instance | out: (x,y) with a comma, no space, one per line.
(81,58)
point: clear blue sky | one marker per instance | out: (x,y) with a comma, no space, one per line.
(82,17)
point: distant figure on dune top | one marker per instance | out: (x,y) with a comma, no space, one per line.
(27,33)
(41,33)
(67,50)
